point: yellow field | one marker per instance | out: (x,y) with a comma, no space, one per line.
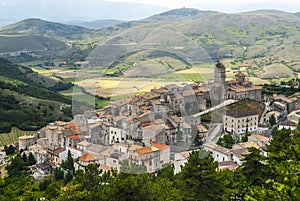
(197,70)
(111,87)
(258,81)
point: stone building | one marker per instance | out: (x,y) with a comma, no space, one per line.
(239,122)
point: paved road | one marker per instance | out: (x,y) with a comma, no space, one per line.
(223,104)
(214,132)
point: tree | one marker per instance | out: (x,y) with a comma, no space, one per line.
(198,179)
(254,168)
(132,168)
(272,120)
(17,166)
(58,174)
(226,141)
(24,157)
(31,160)
(69,163)
(9,150)
(245,137)
(69,176)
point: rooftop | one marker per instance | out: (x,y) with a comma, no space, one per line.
(217,148)
(240,152)
(160,146)
(146,150)
(88,157)
(241,113)
(26,137)
(261,138)
(240,74)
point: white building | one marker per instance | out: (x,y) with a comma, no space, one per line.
(218,152)
(287,125)
(116,135)
(239,122)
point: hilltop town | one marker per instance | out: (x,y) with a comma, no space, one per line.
(162,126)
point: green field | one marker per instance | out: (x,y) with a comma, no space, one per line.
(8,138)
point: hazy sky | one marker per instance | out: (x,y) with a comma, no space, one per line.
(84,10)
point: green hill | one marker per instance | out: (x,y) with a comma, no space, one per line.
(255,41)
(30,43)
(42,27)
(25,102)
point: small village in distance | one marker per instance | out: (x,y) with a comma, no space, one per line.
(162,126)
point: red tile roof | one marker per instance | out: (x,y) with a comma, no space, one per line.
(240,74)
(88,157)
(72,125)
(160,146)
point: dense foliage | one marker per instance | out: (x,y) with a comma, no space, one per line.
(24,102)
(275,177)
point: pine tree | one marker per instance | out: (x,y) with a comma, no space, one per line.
(31,160)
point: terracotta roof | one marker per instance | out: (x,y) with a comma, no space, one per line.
(288,123)
(240,152)
(76,137)
(146,123)
(240,74)
(241,113)
(160,146)
(260,137)
(249,144)
(146,150)
(59,150)
(72,125)
(88,157)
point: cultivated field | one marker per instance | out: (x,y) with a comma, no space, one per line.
(8,138)
(117,86)
(276,71)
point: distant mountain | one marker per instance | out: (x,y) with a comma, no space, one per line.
(42,27)
(297,14)
(176,15)
(180,14)
(25,101)
(97,24)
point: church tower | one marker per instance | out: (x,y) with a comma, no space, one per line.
(219,74)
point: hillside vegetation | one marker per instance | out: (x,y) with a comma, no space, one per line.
(25,102)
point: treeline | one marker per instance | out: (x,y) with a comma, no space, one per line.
(287,88)
(275,177)
(14,77)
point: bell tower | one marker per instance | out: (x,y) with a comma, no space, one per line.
(219,74)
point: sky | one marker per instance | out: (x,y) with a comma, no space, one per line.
(88,10)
